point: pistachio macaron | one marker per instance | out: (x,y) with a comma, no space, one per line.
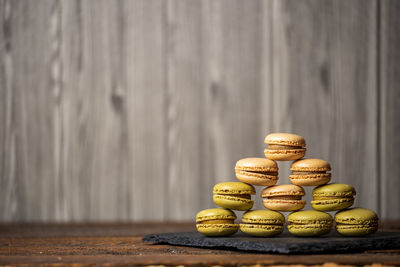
(234,195)
(309,223)
(332,197)
(262,223)
(285,197)
(356,222)
(310,172)
(257,171)
(284,146)
(216,222)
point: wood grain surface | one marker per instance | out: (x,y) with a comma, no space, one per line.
(389,107)
(133,110)
(84,244)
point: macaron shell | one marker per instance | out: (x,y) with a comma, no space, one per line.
(310,165)
(283,190)
(217,229)
(234,188)
(356,230)
(332,204)
(356,216)
(263,217)
(284,204)
(284,154)
(215,214)
(256,178)
(310,179)
(257,164)
(309,230)
(286,139)
(233,202)
(336,190)
(261,230)
(310,217)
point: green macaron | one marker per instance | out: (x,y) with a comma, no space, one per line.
(216,222)
(332,197)
(262,223)
(356,222)
(309,223)
(234,195)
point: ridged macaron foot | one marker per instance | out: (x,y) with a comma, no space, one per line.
(257,171)
(309,223)
(356,222)
(284,146)
(310,172)
(285,197)
(234,195)
(262,223)
(216,222)
(332,197)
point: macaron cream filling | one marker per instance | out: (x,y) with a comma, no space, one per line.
(278,147)
(245,196)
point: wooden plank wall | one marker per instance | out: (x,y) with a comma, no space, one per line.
(133,110)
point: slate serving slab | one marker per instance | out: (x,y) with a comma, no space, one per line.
(284,243)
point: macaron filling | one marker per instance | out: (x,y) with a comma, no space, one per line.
(244,196)
(307,172)
(285,197)
(222,221)
(279,147)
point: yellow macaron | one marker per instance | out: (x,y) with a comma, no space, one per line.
(284,146)
(332,197)
(257,171)
(262,223)
(234,195)
(356,222)
(309,223)
(310,172)
(285,197)
(216,222)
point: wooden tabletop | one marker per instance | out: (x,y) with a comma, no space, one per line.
(122,244)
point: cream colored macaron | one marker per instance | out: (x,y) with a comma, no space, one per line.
(286,197)
(257,171)
(310,172)
(284,146)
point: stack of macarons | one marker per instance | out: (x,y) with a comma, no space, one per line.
(285,197)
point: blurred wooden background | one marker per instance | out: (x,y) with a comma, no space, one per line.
(133,110)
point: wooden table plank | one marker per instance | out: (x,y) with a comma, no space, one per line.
(121,243)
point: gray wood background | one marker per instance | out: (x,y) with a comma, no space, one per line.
(133,110)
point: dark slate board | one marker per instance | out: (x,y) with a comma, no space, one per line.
(284,243)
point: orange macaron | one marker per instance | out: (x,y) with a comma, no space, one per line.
(286,197)
(257,171)
(284,146)
(310,172)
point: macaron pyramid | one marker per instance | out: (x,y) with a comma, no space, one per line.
(288,197)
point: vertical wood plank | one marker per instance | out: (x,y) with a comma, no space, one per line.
(232,76)
(185,57)
(389,108)
(114,104)
(29,86)
(324,77)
